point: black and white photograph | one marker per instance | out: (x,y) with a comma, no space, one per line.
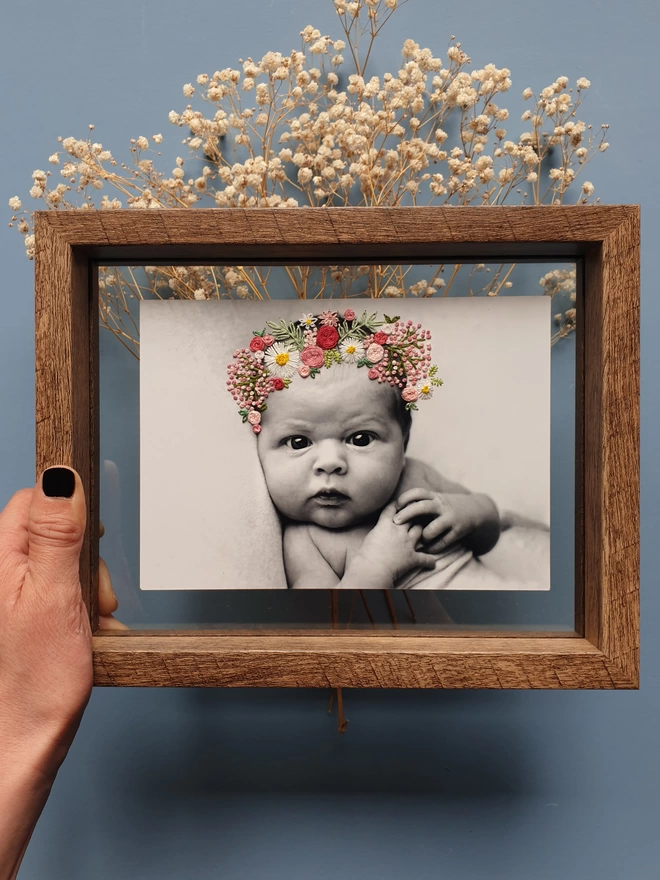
(345,444)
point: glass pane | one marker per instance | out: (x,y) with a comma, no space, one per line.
(401,290)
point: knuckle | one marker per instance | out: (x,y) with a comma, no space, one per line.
(55,530)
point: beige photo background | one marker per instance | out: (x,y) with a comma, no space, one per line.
(206,521)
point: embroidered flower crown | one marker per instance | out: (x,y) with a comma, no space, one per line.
(393,351)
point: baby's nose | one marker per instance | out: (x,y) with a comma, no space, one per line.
(330,458)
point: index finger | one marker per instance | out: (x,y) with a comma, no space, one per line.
(419,494)
(14,525)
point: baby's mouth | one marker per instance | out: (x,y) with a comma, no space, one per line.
(330,497)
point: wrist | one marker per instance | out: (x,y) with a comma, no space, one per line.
(364,573)
(36,744)
(26,779)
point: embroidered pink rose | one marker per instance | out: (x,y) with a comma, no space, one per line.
(375,352)
(256,429)
(349,315)
(373,374)
(268,339)
(409,393)
(380,338)
(313,356)
(278,384)
(254,417)
(257,343)
(304,371)
(327,337)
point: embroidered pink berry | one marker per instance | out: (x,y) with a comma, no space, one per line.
(313,356)
(268,339)
(349,315)
(304,371)
(256,429)
(373,374)
(257,343)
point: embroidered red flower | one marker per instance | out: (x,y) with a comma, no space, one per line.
(349,315)
(327,337)
(257,343)
(268,339)
(278,384)
(380,337)
(312,356)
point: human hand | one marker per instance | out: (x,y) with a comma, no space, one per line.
(45,648)
(447,518)
(389,551)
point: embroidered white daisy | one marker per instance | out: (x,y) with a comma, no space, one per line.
(308,320)
(425,389)
(351,350)
(281,360)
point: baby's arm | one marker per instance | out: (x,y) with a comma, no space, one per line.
(387,553)
(304,565)
(452,513)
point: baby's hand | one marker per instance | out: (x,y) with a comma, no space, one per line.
(388,552)
(445,518)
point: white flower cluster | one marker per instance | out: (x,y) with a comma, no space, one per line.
(284,131)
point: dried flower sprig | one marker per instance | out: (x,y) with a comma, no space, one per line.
(285,131)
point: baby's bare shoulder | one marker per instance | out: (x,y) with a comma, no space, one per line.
(419,474)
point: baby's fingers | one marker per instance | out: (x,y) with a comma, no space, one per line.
(429,507)
(425,560)
(388,511)
(414,495)
(440,544)
(437,527)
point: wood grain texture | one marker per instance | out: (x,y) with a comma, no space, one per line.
(351,660)
(262,235)
(70,244)
(611,446)
(66,349)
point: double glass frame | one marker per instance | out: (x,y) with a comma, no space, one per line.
(603,242)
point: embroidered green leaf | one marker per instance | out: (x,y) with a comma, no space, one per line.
(410,406)
(433,371)
(364,362)
(436,382)
(288,333)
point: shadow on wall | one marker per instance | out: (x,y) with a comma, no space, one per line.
(451,744)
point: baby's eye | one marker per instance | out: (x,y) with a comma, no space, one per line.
(361,438)
(298,442)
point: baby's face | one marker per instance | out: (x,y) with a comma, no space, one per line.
(331,448)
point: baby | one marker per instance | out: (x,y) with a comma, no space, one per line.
(357,513)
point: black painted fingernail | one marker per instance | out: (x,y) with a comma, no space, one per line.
(58,482)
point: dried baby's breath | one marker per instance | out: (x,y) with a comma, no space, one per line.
(298,129)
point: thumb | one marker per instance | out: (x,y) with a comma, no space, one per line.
(56,526)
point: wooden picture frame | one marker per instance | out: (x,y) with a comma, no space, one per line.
(603,240)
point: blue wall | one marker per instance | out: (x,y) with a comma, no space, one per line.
(257,784)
